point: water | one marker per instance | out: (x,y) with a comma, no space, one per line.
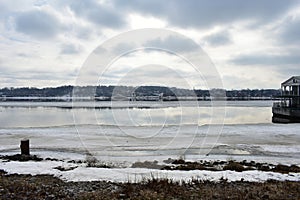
(49,114)
(131,131)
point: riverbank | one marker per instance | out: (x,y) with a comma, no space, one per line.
(16,186)
(91,169)
(33,177)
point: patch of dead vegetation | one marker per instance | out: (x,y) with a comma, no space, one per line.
(230,165)
(48,187)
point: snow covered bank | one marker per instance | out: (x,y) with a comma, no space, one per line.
(83,173)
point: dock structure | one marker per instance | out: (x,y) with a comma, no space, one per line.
(287,109)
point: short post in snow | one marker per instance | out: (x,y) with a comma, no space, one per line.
(25,147)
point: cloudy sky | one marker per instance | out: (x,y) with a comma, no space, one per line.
(253,44)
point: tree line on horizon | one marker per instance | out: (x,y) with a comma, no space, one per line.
(108,91)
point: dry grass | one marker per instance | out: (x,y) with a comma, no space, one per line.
(49,187)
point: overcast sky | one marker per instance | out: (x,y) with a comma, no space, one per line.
(253,44)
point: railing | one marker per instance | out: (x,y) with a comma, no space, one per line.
(290,93)
(281,105)
(286,104)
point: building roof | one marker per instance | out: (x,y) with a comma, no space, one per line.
(294,80)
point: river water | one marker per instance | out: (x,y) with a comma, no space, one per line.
(150,130)
(49,114)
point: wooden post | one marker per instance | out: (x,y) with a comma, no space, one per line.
(24,147)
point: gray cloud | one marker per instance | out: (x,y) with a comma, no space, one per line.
(202,13)
(99,50)
(71,49)
(116,72)
(289,31)
(123,47)
(35,74)
(24,55)
(3,10)
(173,43)
(83,32)
(154,75)
(40,3)
(287,71)
(218,39)
(101,15)
(37,24)
(267,60)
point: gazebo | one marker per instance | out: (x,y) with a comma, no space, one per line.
(287,110)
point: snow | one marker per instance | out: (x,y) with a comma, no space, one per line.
(140,174)
(83,173)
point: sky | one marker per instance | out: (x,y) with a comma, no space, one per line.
(252,44)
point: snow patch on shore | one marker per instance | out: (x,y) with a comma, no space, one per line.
(82,173)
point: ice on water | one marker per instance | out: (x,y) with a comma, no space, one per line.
(121,134)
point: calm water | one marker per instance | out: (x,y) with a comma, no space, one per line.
(49,114)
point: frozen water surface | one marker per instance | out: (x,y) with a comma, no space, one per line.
(122,133)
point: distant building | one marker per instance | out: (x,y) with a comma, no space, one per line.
(287,110)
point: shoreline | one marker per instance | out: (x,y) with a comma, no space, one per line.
(92,169)
(44,185)
(16,186)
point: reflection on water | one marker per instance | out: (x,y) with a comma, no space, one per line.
(35,114)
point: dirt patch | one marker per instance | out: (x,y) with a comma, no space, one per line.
(20,157)
(63,169)
(148,164)
(230,165)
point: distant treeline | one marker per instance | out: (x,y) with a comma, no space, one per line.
(109,91)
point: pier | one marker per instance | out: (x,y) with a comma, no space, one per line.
(287,109)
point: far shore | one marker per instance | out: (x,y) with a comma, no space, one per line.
(142,98)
